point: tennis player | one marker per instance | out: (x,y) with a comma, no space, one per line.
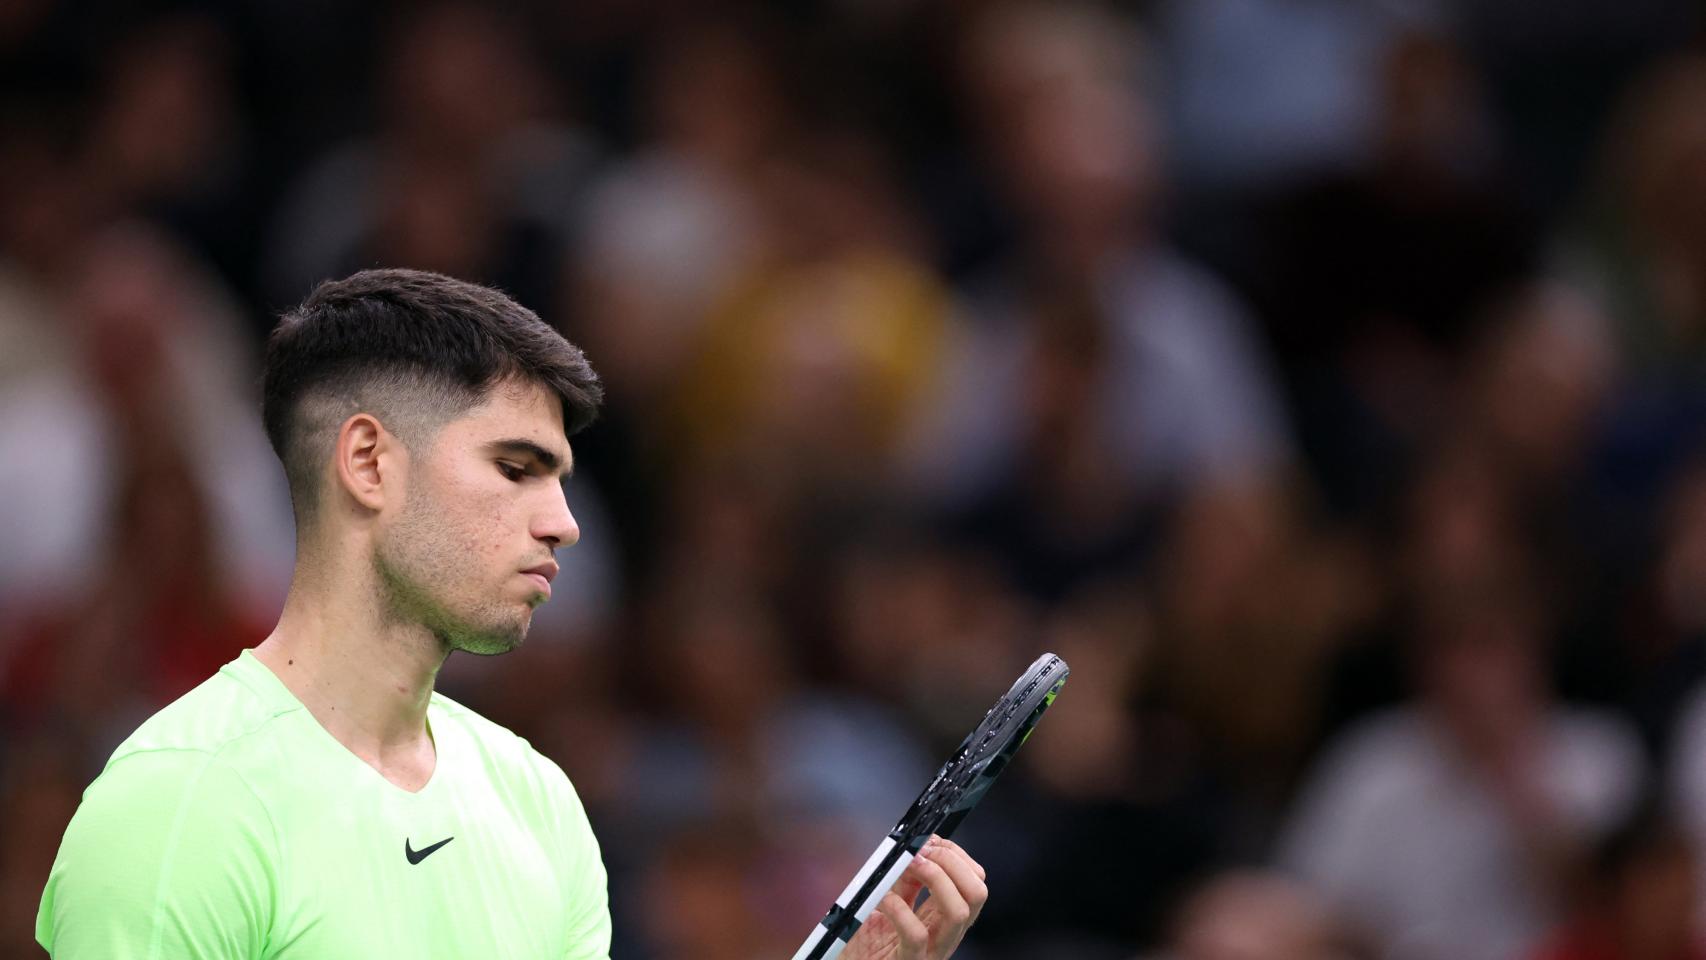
(315,798)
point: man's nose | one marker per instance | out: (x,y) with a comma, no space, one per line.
(556,525)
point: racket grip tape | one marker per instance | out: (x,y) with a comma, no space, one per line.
(855,904)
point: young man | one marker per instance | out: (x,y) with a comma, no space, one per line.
(315,798)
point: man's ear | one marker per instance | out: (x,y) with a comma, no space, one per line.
(369,460)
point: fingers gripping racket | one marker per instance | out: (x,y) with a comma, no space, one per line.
(945,802)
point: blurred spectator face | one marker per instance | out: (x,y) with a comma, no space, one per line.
(1254,607)
(1255,916)
(833,192)
(167,111)
(459,78)
(1540,376)
(1459,523)
(1481,668)
(45,201)
(131,300)
(714,97)
(1057,90)
(1484,665)
(1224,546)
(436,216)
(1077,473)
(1479,643)
(1432,118)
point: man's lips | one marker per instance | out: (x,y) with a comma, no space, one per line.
(543,574)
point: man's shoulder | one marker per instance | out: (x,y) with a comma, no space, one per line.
(223,710)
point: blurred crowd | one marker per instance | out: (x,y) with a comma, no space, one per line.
(1325,380)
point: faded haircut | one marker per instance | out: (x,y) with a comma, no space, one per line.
(413,348)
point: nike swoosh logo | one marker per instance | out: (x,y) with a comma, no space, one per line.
(416,856)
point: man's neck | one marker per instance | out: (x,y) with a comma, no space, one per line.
(365,678)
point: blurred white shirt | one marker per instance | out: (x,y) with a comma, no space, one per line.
(1408,845)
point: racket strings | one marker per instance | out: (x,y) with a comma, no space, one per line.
(998,734)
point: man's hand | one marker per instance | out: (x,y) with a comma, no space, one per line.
(895,932)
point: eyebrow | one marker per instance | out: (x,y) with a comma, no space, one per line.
(527,448)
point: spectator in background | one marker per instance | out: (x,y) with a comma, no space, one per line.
(1511,479)
(166,138)
(1641,251)
(1377,279)
(1100,373)
(1635,252)
(1536,380)
(470,172)
(1533,386)
(85,281)
(52,436)
(665,235)
(120,203)
(818,359)
(104,633)
(1254,606)
(1092,453)
(667,229)
(1447,827)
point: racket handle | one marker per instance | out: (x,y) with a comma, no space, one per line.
(855,904)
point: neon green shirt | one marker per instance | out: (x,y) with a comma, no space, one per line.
(232,825)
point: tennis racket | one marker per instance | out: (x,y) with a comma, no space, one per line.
(943,805)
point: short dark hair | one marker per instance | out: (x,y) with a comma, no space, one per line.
(416,349)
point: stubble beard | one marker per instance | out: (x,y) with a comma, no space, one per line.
(416,573)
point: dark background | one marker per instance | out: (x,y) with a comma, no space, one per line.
(1294,368)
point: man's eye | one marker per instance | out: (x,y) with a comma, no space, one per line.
(510,471)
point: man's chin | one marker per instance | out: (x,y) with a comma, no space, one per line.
(493,642)
(487,648)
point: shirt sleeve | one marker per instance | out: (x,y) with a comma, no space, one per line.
(170,855)
(587,917)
